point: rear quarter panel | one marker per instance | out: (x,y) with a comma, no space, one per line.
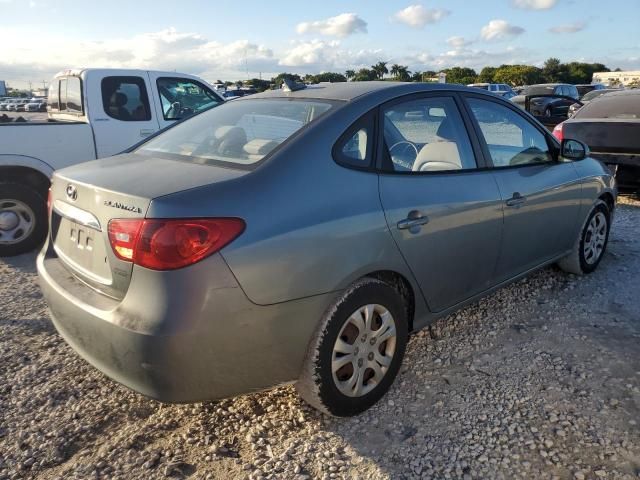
(312,226)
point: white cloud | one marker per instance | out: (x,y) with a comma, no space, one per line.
(458,42)
(535,4)
(319,55)
(466,57)
(339,26)
(418,16)
(500,30)
(163,50)
(568,28)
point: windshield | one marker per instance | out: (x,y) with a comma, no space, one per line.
(625,106)
(242,132)
(539,90)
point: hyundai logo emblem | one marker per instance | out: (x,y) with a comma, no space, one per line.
(72,192)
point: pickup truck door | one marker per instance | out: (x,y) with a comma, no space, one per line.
(121,110)
(177,96)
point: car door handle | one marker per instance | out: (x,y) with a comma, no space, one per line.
(145,132)
(516,200)
(414,219)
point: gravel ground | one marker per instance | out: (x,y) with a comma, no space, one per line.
(539,380)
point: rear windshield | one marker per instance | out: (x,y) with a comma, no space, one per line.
(241,132)
(612,106)
(539,90)
(582,89)
(593,94)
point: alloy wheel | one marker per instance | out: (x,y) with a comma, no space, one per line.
(595,237)
(363,351)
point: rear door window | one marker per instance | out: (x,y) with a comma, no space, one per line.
(126,99)
(426,135)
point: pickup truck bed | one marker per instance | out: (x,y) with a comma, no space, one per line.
(46,144)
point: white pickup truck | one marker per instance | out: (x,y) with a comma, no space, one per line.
(93,113)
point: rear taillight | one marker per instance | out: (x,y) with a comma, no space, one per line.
(123,235)
(170,244)
(558,133)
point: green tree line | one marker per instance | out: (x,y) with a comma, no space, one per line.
(552,71)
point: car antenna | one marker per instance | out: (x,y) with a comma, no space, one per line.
(289,85)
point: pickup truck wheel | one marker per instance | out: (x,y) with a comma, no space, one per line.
(357,350)
(591,243)
(23,219)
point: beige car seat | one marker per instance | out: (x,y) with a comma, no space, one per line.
(441,154)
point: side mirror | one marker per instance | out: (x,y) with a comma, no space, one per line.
(573,149)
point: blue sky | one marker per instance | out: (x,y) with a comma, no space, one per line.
(228,39)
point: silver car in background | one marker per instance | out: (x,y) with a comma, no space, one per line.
(301,236)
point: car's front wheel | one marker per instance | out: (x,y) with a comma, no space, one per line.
(357,350)
(591,243)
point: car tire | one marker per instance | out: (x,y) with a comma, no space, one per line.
(548,112)
(591,244)
(345,384)
(23,219)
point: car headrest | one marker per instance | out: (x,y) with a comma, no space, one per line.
(446,131)
(118,99)
(230,132)
(260,146)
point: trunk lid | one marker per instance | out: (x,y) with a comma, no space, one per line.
(86,197)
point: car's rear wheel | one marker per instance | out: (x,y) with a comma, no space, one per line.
(591,243)
(23,219)
(357,350)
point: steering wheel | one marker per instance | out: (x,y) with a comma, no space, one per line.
(174,111)
(404,147)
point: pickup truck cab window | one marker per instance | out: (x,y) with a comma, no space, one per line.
(74,95)
(53,97)
(181,97)
(125,99)
(63,94)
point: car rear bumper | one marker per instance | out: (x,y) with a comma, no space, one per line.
(181,340)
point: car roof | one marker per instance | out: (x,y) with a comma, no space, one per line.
(347,91)
(616,93)
(550,84)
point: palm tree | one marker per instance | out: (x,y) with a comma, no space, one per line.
(395,70)
(350,74)
(402,73)
(381,69)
